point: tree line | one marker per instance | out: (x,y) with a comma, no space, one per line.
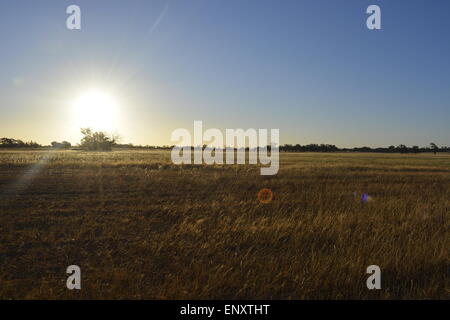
(320,148)
(17,143)
(101,141)
(91,141)
(391,149)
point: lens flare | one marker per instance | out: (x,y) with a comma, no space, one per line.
(265,196)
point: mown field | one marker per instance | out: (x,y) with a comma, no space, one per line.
(142,228)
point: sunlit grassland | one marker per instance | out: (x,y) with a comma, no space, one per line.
(141,227)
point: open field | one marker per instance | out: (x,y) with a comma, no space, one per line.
(140,227)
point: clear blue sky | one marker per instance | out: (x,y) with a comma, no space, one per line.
(308,67)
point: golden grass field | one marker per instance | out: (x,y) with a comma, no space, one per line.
(142,228)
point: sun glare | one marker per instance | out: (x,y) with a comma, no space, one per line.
(96,110)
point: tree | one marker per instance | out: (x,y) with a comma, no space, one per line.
(97,140)
(66,145)
(434,147)
(7,141)
(402,148)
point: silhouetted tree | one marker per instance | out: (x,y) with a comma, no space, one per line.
(434,147)
(402,148)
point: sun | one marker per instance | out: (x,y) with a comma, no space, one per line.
(95,109)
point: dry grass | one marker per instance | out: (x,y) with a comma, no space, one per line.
(140,227)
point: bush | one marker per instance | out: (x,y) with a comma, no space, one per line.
(61,145)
